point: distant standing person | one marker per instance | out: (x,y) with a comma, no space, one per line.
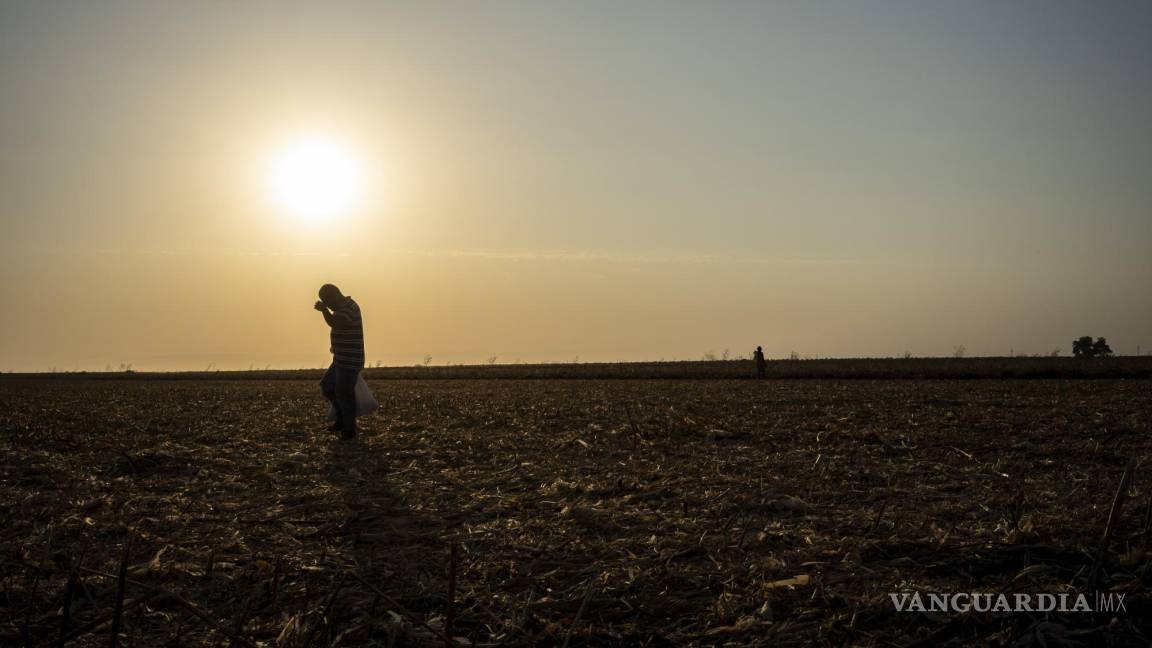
(761,365)
(347,335)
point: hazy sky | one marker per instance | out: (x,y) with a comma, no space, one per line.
(546,180)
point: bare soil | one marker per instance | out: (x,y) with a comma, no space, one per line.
(592,512)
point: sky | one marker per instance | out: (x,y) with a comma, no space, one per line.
(599,181)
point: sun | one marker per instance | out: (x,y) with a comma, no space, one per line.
(315,178)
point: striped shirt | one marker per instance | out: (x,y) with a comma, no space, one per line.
(347,335)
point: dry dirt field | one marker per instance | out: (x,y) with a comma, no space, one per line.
(584,512)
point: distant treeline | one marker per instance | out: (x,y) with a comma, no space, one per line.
(849,368)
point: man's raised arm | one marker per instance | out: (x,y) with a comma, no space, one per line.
(330,317)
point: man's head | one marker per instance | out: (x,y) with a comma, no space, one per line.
(758,349)
(331,296)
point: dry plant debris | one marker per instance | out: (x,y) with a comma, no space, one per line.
(586,512)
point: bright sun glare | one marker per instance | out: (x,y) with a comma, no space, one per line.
(315,178)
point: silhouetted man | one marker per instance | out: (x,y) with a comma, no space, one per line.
(339,383)
(761,365)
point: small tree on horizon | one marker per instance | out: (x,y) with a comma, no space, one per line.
(1101,349)
(1086,348)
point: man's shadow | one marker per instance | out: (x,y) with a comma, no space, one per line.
(382,539)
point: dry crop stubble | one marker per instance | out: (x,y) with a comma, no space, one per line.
(592,511)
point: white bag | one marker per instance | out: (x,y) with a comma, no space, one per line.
(365,401)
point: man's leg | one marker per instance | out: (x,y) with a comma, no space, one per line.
(328,388)
(346,399)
